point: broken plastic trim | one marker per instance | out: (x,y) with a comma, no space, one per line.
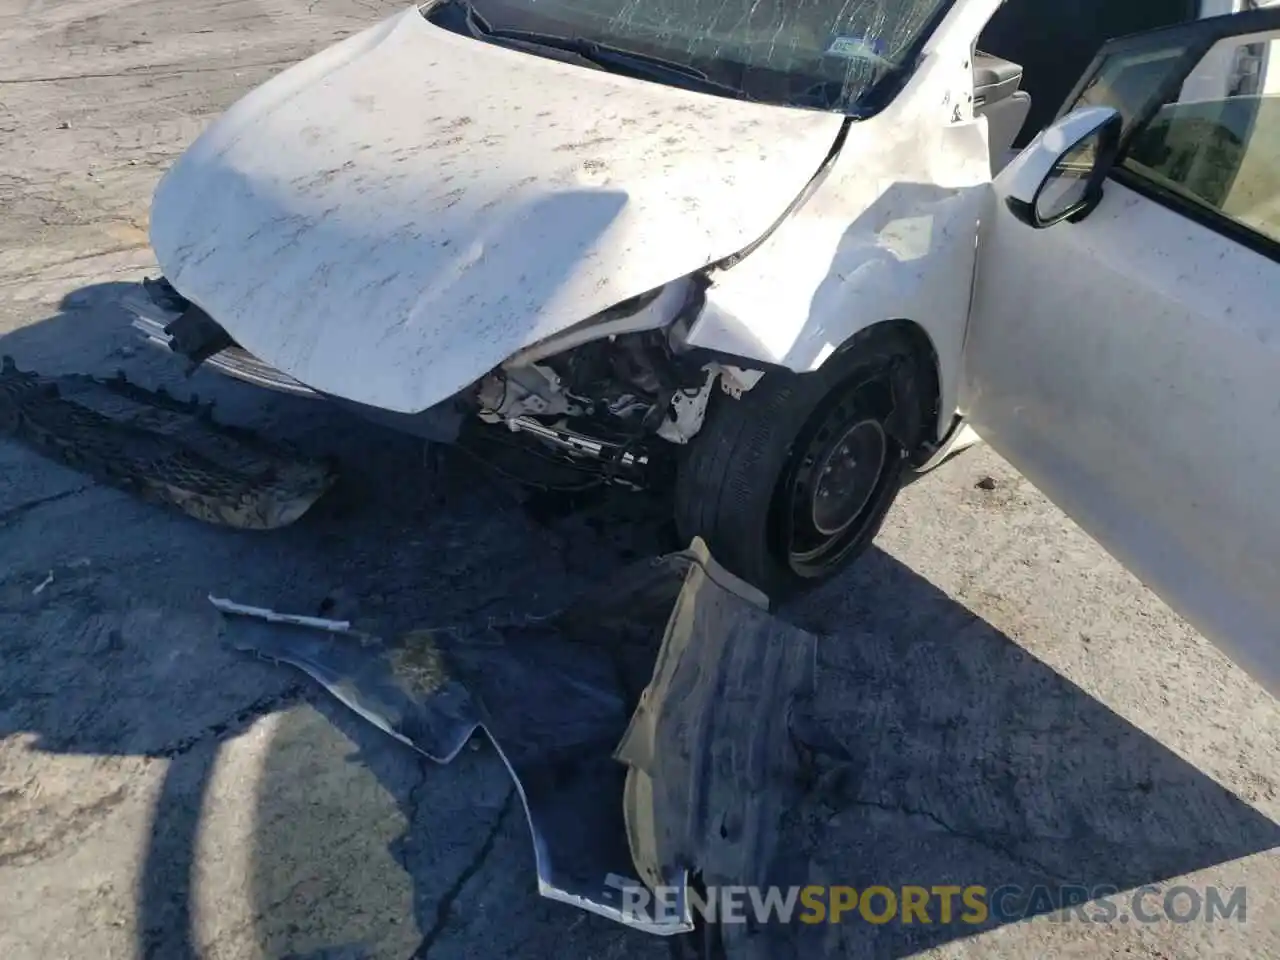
(636,671)
(197,336)
(160,448)
(157,310)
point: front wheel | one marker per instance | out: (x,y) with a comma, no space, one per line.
(792,481)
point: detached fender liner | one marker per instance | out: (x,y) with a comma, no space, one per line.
(709,763)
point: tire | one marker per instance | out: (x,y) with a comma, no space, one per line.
(754,481)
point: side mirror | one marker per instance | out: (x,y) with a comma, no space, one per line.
(1059,175)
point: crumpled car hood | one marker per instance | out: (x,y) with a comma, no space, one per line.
(392,218)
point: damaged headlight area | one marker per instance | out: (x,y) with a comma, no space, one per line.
(607,400)
(610,396)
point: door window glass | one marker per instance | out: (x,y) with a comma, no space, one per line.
(1056,42)
(1127,80)
(1216,142)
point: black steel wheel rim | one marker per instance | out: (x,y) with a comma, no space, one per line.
(846,476)
(839,480)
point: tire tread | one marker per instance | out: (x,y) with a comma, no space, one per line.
(726,481)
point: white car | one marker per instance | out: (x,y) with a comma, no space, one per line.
(772,252)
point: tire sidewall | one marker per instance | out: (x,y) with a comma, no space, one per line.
(792,402)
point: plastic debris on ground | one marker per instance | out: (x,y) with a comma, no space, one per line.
(163,449)
(646,726)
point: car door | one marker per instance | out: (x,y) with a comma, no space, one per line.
(1123,349)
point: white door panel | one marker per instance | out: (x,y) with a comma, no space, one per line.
(1142,393)
(1129,365)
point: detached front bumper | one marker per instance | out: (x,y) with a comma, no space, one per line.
(169,320)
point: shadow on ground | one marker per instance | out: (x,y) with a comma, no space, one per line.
(957,758)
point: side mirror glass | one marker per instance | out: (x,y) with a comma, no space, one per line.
(1066,188)
(1059,176)
(1073,185)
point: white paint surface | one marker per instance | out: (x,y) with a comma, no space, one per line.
(392,218)
(889,234)
(1128,366)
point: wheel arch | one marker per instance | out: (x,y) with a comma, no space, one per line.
(934,422)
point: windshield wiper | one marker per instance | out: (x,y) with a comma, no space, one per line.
(604,55)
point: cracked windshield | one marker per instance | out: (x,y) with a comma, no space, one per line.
(825,54)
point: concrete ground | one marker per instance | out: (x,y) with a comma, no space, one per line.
(1016,708)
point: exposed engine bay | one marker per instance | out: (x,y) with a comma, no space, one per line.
(601,404)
